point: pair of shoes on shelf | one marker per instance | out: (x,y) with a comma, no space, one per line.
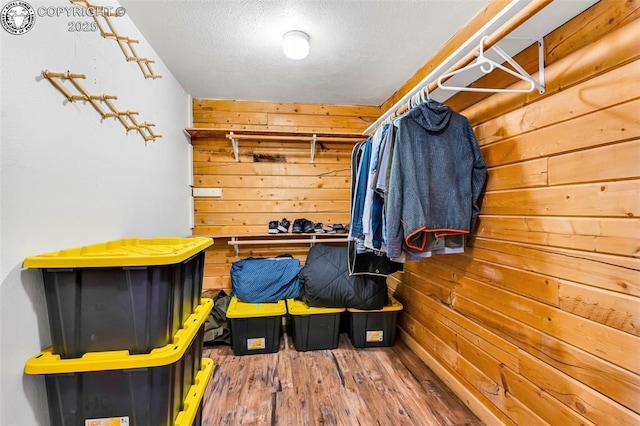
(301,226)
(320,228)
(281,227)
(338,228)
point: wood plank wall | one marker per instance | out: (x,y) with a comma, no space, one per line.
(274,179)
(537,323)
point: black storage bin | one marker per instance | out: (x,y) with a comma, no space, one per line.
(147,389)
(374,328)
(100,301)
(314,328)
(255,327)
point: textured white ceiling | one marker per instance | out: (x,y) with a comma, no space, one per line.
(361,51)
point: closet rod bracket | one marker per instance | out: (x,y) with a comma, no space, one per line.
(541,83)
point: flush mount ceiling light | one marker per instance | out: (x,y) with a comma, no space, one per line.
(295,44)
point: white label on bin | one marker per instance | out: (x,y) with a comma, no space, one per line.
(375,336)
(254,344)
(111,421)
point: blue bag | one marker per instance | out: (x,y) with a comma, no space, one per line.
(264,280)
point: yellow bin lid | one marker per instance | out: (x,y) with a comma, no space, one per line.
(238,309)
(125,252)
(298,307)
(393,305)
(46,362)
(195,395)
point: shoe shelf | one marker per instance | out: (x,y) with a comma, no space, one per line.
(235,135)
(281,239)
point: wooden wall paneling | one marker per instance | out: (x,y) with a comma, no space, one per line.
(550,282)
(550,409)
(217,151)
(607,125)
(323,121)
(607,380)
(610,199)
(489,415)
(597,21)
(593,405)
(285,194)
(611,162)
(428,342)
(272,169)
(245,181)
(592,337)
(208,105)
(263,218)
(471,372)
(488,341)
(615,87)
(533,285)
(211,205)
(596,270)
(606,307)
(599,235)
(594,59)
(527,174)
(225,117)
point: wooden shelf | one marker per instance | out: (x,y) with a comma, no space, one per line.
(222,132)
(235,135)
(280,239)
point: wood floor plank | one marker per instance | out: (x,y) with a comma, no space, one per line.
(343,386)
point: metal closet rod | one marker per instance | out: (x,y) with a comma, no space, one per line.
(518,19)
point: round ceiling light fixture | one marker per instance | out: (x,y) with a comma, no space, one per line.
(295,44)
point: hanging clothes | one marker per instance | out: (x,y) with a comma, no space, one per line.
(363,260)
(436,176)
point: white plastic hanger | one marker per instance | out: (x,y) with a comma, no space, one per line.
(486,65)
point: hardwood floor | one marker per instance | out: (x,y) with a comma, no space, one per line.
(343,386)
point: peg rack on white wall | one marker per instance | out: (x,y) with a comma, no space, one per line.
(102,16)
(127,118)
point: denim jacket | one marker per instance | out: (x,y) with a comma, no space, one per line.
(437,175)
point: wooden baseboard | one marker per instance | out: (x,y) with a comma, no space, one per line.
(458,388)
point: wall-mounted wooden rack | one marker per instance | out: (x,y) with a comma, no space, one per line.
(125,43)
(280,239)
(235,135)
(127,118)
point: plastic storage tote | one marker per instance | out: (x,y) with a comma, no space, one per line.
(314,328)
(191,414)
(374,328)
(131,294)
(147,389)
(255,327)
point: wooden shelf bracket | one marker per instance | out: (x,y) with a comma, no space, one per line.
(126,118)
(234,143)
(313,147)
(312,138)
(125,43)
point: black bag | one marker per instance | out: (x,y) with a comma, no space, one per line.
(326,282)
(371,263)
